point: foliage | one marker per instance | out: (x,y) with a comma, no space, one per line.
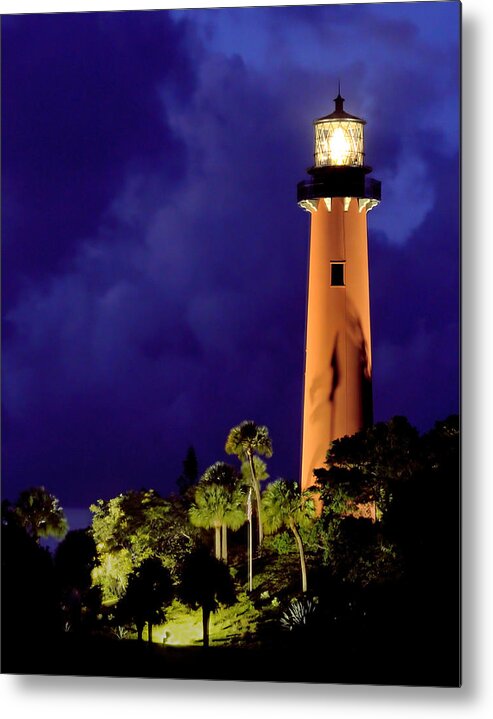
(364,467)
(74,561)
(206,583)
(300,613)
(75,558)
(282,543)
(30,607)
(219,504)
(284,506)
(133,527)
(412,480)
(221,473)
(188,477)
(111,574)
(260,469)
(424,516)
(209,510)
(149,589)
(40,514)
(357,551)
(236,623)
(245,441)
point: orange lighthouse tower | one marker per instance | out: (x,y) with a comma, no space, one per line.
(338,370)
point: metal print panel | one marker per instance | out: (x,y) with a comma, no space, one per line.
(231,344)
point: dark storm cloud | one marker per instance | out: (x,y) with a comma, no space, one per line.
(160,295)
(415,308)
(81,106)
(172,323)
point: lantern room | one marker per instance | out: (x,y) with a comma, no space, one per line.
(339,138)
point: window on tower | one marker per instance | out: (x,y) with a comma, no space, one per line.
(337,274)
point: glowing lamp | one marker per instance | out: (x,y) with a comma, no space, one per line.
(339,138)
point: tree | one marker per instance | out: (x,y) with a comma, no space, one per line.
(259,467)
(366,467)
(245,441)
(218,507)
(356,551)
(430,501)
(40,514)
(221,473)
(75,558)
(74,561)
(30,607)
(284,506)
(149,590)
(413,482)
(234,517)
(209,511)
(363,476)
(190,473)
(135,526)
(111,574)
(226,476)
(206,583)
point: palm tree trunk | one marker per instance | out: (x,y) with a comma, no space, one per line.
(206,613)
(256,489)
(218,541)
(301,550)
(149,632)
(224,544)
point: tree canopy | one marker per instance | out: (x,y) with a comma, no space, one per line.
(40,514)
(149,590)
(219,504)
(365,467)
(133,527)
(413,482)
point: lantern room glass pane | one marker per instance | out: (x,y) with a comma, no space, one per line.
(339,142)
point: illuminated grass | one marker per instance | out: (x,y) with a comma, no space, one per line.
(182,628)
(228,625)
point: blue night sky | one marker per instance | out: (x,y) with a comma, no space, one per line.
(154,257)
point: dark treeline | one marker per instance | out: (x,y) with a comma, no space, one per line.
(361,574)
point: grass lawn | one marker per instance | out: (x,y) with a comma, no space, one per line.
(183,627)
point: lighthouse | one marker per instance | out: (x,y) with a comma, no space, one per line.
(338,370)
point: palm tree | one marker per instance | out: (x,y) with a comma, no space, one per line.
(259,467)
(40,514)
(234,517)
(209,510)
(286,507)
(221,473)
(245,441)
(227,503)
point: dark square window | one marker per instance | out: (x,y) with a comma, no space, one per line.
(337,274)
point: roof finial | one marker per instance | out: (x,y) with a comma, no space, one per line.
(339,100)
